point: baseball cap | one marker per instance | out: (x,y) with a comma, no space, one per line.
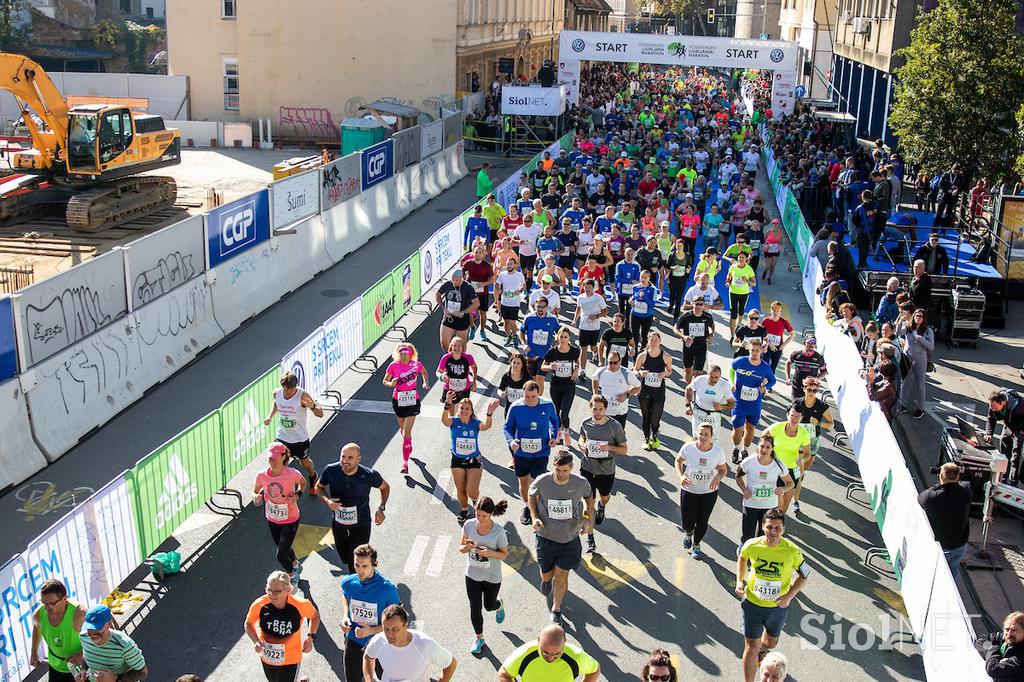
(96,618)
(457,272)
(547,278)
(665,223)
(277,450)
(624,155)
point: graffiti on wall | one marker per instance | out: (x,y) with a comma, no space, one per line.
(309,123)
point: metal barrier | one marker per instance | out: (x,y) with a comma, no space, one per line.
(14,279)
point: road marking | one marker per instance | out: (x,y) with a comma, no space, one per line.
(419,547)
(440,491)
(310,539)
(611,574)
(680,573)
(438,558)
(385,407)
(518,557)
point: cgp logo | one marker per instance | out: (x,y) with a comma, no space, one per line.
(376,164)
(237,228)
(300,373)
(777,55)
(579,45)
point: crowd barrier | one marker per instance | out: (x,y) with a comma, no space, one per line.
(90,341)
(936,614)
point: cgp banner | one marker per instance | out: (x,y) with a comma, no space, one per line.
(339,180)
(432,139)
(440,253)
(242,429)
(407,147)
(234,228)
(295,198)
(378,163)
(378,307)
(525,101)
(8,345)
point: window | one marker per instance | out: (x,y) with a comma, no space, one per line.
(115,134)
(149,12)
(231,84)
(227,9)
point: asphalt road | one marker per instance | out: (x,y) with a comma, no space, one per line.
(639,591)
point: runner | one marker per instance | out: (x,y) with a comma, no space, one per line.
(653,366)
(616,339)
(792,447)
(769,589)
(758,478)
(364,595)
(485,544)
(780,333)
(600,439)
(754,378)
(548,292)
(815,417)
(405,654)
(403,375)
(274,626)
(643,300)
(512,221)
(344,487)
(703,289)
(531,430)
(57,623)
(807,362)
(556,507)
(481,275)
(458,301)
(536,334)
(291,404)
(652,261)
(509,286)
(772,249)
(743,335)
(567,256)
(627,274)
(110,655)
(465,431)
(458,372)
(709,264)
(477,227)
(563,361)
(740,279)
(708,397)
(279,486)
(701,468)
(590,308)
(697,331)
(678,263)
(616,383)
(495,214)
(549,658)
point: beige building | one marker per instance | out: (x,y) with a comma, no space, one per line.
(308,65)
(587,15)
(624,13)
(525,31)
(755,18)
(811,23)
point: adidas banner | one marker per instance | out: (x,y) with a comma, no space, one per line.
(243,431)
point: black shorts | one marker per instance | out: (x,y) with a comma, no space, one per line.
(533,366)
(405,410)
(459,395)
(459,324)
(296,450)
(602,483)
(485,299)
(695,355)
(510,312)
(527,262)
(566,556)
(589,337)
(566,262)
(465,462)
(530,466)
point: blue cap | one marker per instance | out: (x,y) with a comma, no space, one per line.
(96,617)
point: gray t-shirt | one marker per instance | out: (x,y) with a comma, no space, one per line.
(484,569)
(560,506)
(609,433)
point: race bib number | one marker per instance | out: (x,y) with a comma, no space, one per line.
(699,476)
(749,393)
(678,270)
(652,379)
(346,516)
(695,329)
(627,289)
(796,474)
(615,246)
(809,428)
(594,450)
(514,394)
(767,590)
(406,398)
(539,337)
(771,248)
(700,418)
(563,369)
(287,423)
(273,654)
(363,612)
(764,493)
(478,287)
(640,307)
(614,404)
(621,350)
(755,243)
(277,512)
(559,510)
(531,445)
(474,555)
(453,307)
(465,446)
(457,383)
(774,339)
(509,294)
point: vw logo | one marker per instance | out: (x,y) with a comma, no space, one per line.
(300,373)
(777,55)
(428,268)
(578,45)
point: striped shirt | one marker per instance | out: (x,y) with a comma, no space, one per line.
(119,655)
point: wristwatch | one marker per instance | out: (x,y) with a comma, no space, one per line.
(381,508)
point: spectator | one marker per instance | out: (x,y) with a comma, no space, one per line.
(1005,657)
(1007,405)
(659,667)
(934,255)
(918,343)
(948,506)
(949,187)
(110,654)
(888,308)
(835,298)
(849,323)
(819,248)
(921,286)
(882,387)
(484,183)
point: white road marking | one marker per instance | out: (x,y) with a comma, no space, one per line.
(438,558)
(384,407)
(416,552)
(444,478)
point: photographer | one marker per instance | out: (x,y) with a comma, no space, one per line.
(1008,406)
(1004,659)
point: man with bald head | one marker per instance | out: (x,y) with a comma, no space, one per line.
(702,288)
(549,659)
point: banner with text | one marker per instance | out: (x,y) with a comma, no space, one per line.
(295,198)
(648,48)
(339,180)
(526,101)
(243,433)
(234,228)
(378,306)
(432,139)
(378,163)
(440,253)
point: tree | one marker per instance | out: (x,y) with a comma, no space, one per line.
(679,9)
(958,94)
(15,26)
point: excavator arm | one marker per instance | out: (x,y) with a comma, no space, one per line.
(34,90)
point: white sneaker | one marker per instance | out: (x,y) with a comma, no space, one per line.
(796,506)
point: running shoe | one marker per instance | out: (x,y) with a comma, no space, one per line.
(463,515)
(405,469)
(796,506)
(294,579)
(735,455)
(499,615)
(545,587)
(696,553)
(298,570)
(591,544)
(583,378)
(312,484)
(687,540)
(599,514)
(524,518)
(483,335)
(655,443)
(472,332)
(556,618)
(647,444)
(478,646)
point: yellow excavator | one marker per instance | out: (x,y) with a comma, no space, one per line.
(85,158)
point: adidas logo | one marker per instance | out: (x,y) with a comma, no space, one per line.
(251,432)
(179,491)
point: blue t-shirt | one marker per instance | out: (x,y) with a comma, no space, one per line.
(643,300)
(465,438)
(351,491)
(626,273)
(604,224)
(475,227)
(749,376)
(530,424)
(575,216)
(366,601)
(539,332)
(548,245)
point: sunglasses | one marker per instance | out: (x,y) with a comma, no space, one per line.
(659,678)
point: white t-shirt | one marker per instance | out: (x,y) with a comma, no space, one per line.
(700,466)
(511,282)
(590,305)
(750,160)
(762,480)
(414,662)
(528,235)
(554,300)
(706,395)
(614,384)
(710,294)
(585,243)
(700,160)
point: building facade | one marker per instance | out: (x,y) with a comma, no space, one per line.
(523,31)
(810,23)
(756,18)
(624,14)
(307,66)
(587,15)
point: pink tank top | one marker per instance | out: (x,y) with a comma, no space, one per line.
(406,373)
(280,495)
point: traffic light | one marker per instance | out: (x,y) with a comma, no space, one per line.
(711,15)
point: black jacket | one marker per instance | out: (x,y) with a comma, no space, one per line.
(1012,415)
(947,506)
(1005,664)
(921,291)
(941,258)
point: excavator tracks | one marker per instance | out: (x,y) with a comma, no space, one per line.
(120,201)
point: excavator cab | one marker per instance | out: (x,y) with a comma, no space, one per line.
(97,137)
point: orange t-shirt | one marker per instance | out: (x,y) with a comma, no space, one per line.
(280,630)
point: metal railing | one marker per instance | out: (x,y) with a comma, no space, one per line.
(15,279)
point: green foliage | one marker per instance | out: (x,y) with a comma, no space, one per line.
(137,41)
(105,35)
(675,7)
(15,26)
(958,95)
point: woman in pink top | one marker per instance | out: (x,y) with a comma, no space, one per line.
(403,375)
(457,369)
(280,487)
(739,215)
(772,248)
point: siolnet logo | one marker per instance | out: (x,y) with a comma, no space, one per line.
(250,432)
(383,310)
(179,492)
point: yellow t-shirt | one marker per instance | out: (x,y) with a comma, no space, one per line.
(787,448)
(737,272)
(771,571)
(710,267)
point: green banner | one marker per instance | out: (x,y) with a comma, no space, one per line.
(379,310)
(406,283)
(243,433)
(169,485)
